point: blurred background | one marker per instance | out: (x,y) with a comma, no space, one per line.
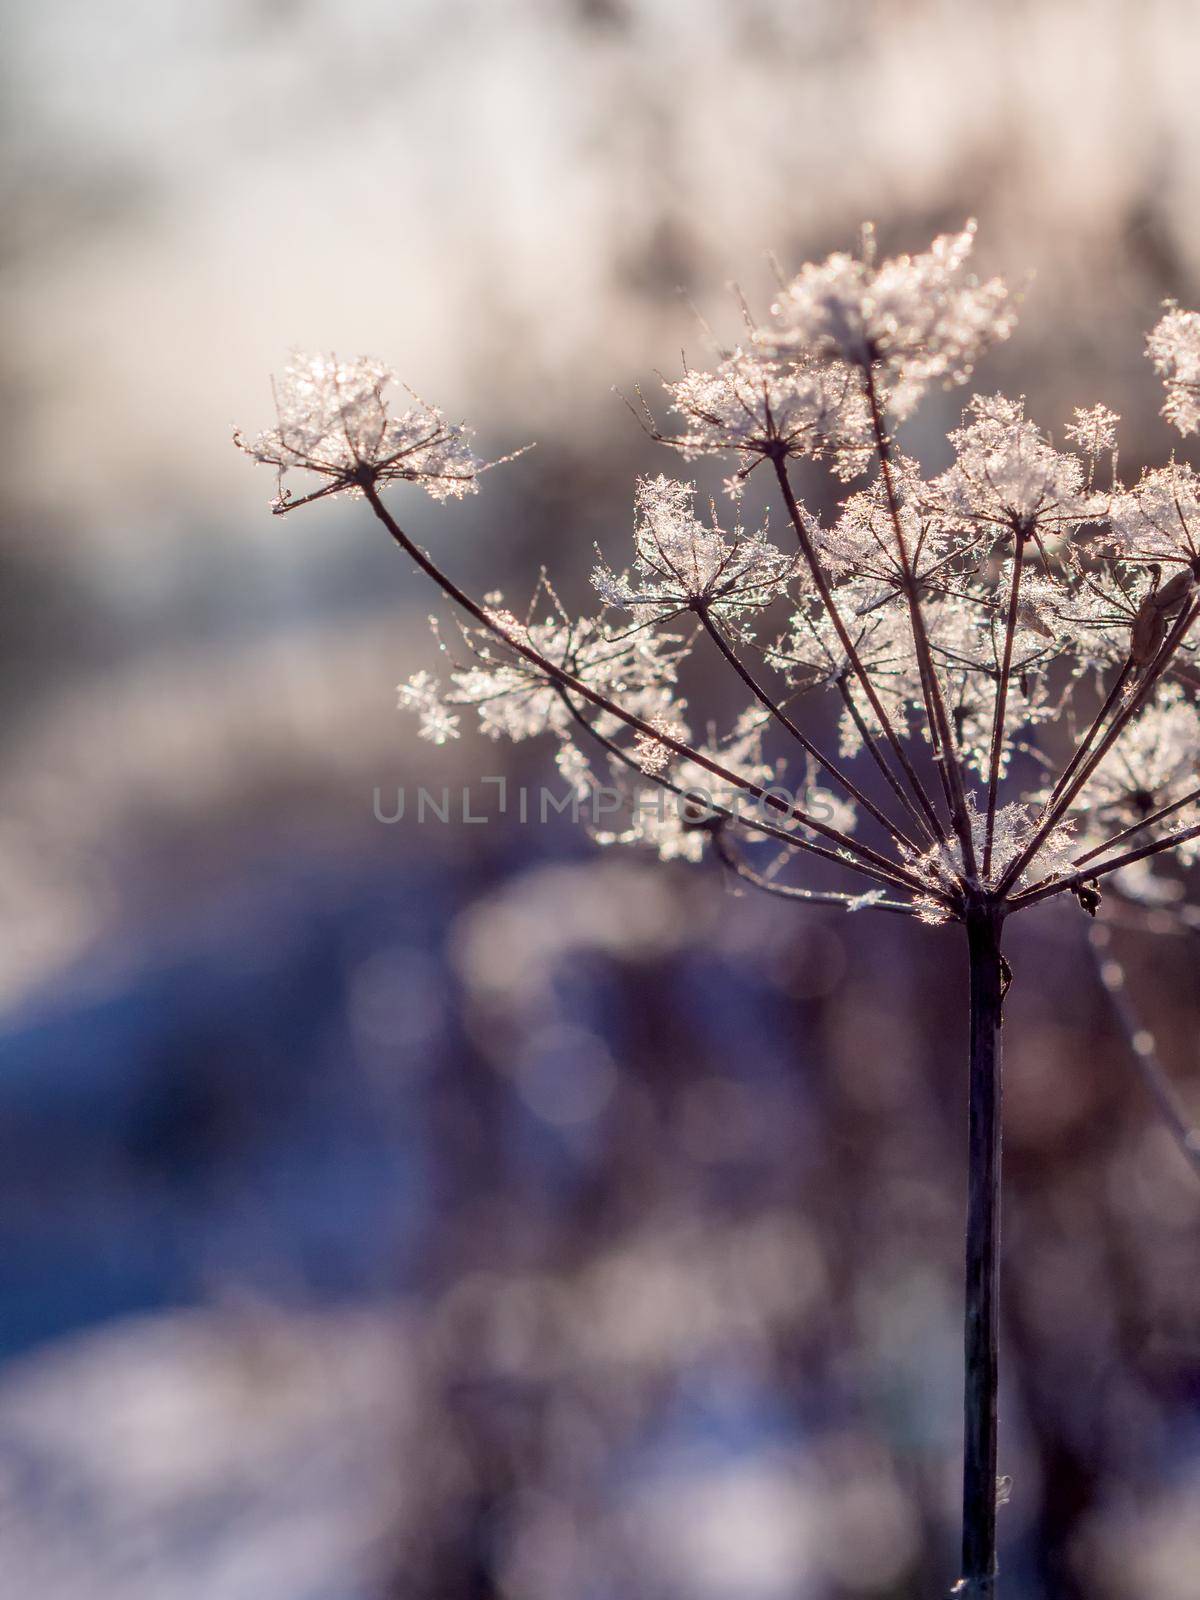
(457,1213)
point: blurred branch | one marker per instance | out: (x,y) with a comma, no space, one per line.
(1143,1050)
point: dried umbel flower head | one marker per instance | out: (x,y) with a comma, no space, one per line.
(961,627)
(334,420)
(916,319)
(684,564)
(1008,479)
(757,409)
(937,611)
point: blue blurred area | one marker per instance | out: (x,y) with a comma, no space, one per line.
(207,1116)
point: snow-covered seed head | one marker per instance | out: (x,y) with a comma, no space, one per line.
(918,319)
(684,564)
(333,420)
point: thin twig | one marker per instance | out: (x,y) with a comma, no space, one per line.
(1143,1050)
(933,823)
(949,766)
(858,858)
(848,902)
(806,744)
(1077,880)
(712,808)
(997,750)
(1056,808)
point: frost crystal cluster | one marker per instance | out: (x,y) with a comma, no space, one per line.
(997,659)
(334,420)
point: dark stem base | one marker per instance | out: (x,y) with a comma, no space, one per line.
(982,1258)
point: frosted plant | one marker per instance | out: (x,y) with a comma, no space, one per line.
(681,564)
(1174,348)
(1007,649)
(334,421)
(1151,774)
(755,409)
(513,698)
(1009,480)
(910,319)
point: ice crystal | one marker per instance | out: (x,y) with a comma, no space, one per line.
(1013,829)
(863,902)
(652,755)
(422,694)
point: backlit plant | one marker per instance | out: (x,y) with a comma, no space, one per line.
(965,626)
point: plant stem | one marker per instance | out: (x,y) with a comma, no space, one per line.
(982,1257)
(945,750)
(931,823)
(997,751)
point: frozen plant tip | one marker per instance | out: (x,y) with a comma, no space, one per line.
(334,420)
(1007,649)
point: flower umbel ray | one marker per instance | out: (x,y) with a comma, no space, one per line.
(334,420)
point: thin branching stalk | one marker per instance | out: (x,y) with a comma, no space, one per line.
(1086,768)
(981,1339)
(996,753)
(945,748)
(932,822)
(805,743)
(709,809)
(731,860)
(1091,874)
(871,746)
(861,857)
(1191,798)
